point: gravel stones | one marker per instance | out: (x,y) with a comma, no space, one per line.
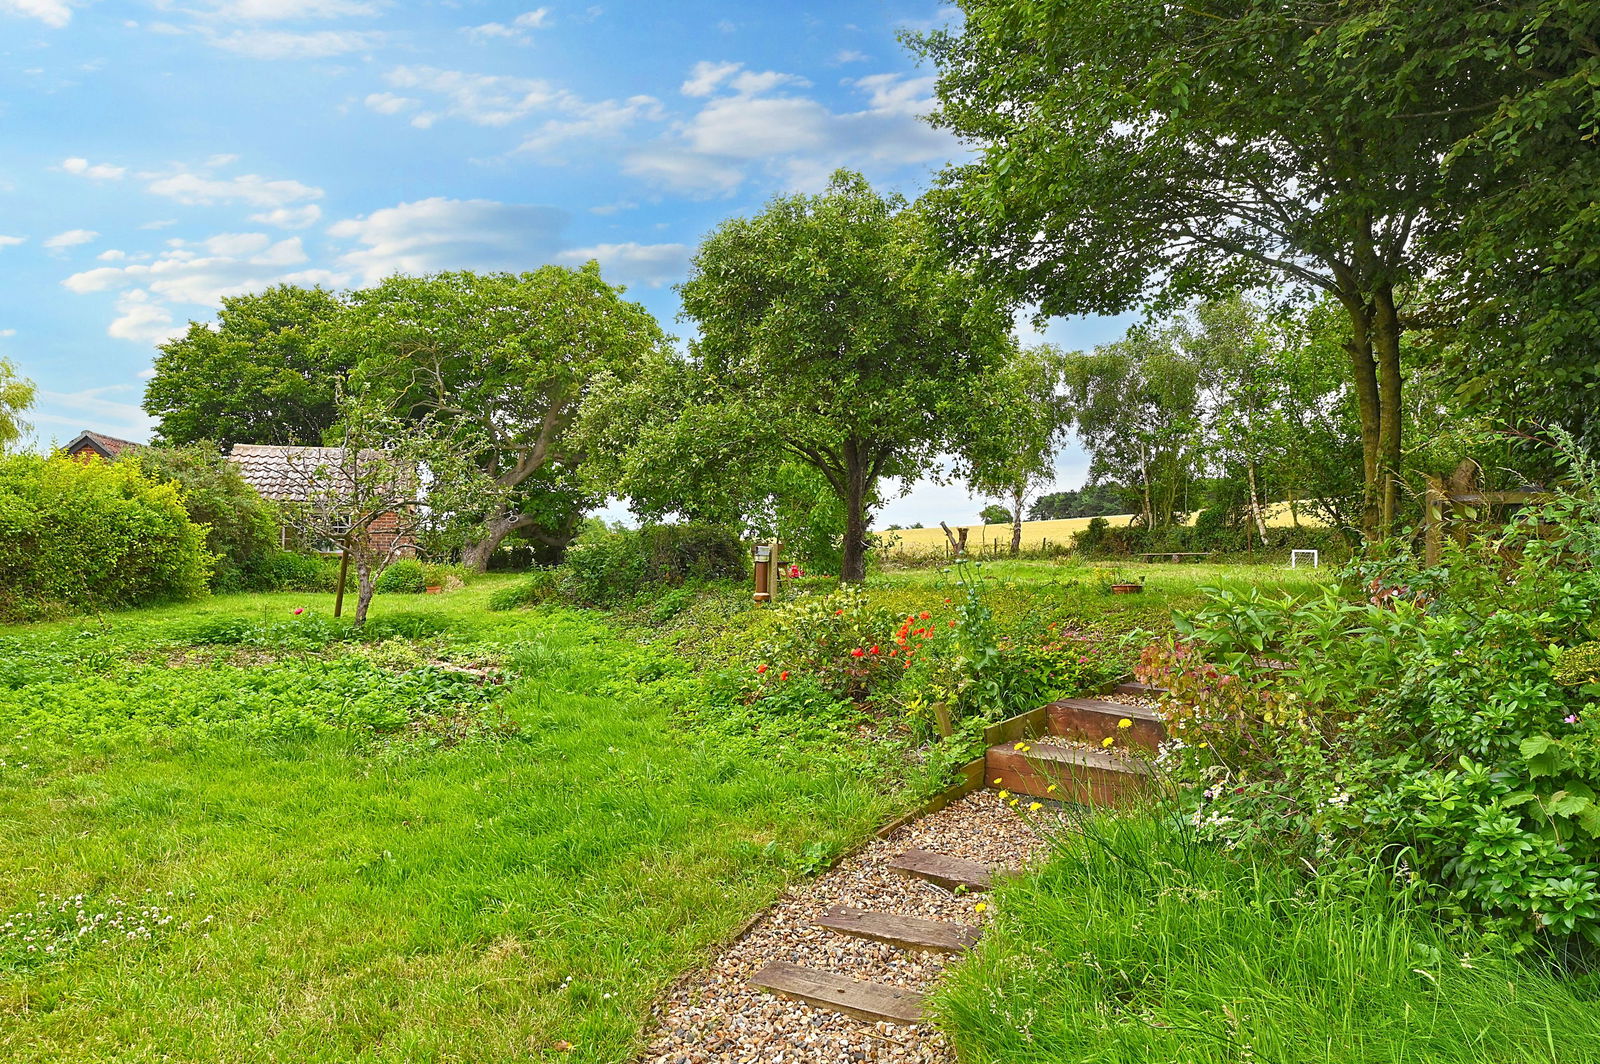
(715,1017)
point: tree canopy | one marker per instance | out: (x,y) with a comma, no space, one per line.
(257,376)
(16,397)
(834,336)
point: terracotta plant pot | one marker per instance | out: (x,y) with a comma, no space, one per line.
(1126,589)
(434,589)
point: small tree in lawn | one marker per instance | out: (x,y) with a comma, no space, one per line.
(1022,418)
(387,481)
(833,335)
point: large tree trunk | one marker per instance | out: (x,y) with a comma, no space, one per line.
(476,555)
(1016,522)
(853,570)
(1364,370)
(1386,354)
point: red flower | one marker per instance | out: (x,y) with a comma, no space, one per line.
(952,624)
(857,652)
(761,668)
(876,650)
(784,675)
(926,615)
(893,651)
(838,613)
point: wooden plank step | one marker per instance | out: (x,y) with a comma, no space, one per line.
(1084,776)
(907,932)
(1092,720)
(873,1002)
(1143,690)
(948,872)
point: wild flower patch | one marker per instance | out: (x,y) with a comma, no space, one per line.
(56,927)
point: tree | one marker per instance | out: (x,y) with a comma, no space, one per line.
(1022,418)
(257,376)
(1130,151)
(1136,406)
(389,480)
(832,334)
(16,397)
(504,359)
(1092,500)
(994,514)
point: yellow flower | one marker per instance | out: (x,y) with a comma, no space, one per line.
(1050,789)
(997,781)
(1109,740)
(1034,807)
(1004,794)
(980,907)
(1015,803)
(1024,747)
(1124,723)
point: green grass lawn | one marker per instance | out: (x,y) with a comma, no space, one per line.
(475,893)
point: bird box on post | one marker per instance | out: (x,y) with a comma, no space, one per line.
(766,566)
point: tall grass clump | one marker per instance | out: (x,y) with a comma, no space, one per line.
(1136,943)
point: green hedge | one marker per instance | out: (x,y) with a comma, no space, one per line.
(1101,539)
(618,566)
(81,535)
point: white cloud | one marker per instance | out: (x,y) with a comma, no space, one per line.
(747,124)
(516,32)
(602,119)
(282,44)
(650,264)
(71,238)
(8,333)
(202,272)
(850,55)
(111,255)
(290,217)
(388,103)
(141,320)
(96,172)
(56,13)
(449,234)
(12,241)
(482,99)
(214,161)
(279,10)
(96,407)
(198,190)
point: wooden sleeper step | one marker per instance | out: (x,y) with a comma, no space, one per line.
(907,932)
(1092,720)
(1143,690)
(1084,776)
(873,1002)
(948,872)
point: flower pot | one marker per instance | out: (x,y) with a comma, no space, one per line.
(433,589)
(1126,589)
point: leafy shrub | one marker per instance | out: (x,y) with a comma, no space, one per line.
(613,568)
(82,535)
(540,587)
(405,577)
(289,571)
(1420,718)
(241,527)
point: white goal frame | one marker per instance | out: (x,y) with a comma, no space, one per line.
(1294,558)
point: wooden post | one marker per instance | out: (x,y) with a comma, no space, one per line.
(764,564)
(344,571)
(1433,521)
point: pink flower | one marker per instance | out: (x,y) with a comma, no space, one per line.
(298,610)
(1573,719)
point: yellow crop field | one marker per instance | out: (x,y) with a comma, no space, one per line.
(1038,534)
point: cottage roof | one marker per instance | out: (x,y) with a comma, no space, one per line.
(99,443)
(282,473)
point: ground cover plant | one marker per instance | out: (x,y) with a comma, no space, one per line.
(1137,943)
(449,834)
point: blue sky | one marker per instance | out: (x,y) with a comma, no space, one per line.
(158,155)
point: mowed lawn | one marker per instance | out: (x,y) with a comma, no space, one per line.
(336,896)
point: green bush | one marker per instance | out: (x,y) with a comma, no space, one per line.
(615,567)
(1416,717)
(83,535)
(288,571)
(241,527)
(405,577)
(540,587)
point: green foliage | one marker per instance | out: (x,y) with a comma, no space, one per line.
(241,526)
(405,577)
(994,514)
(617,567)
(1133,944)
(1417,718)
(86,535)
(1092,500)
(16,396)
(258,376)
(289,571)
(536,589)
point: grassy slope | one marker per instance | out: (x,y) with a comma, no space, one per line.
(484,903)
(1138,952)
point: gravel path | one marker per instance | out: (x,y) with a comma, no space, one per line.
(716,1018)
